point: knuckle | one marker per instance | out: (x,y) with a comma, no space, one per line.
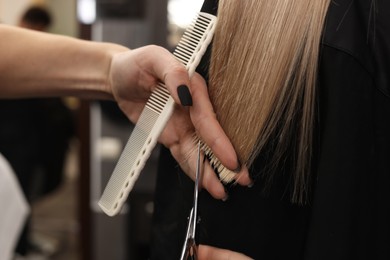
(174,70)
(202,123)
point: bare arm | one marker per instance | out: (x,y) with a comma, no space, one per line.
(36,64)
(39,64)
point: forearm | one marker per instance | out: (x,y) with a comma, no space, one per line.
(38,64)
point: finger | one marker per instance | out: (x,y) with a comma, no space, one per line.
(170,71)
(132,110)
(212,184)
(207,126)
(208,252)
(243,177)
(176,79)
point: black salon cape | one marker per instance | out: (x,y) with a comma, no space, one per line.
(348,216)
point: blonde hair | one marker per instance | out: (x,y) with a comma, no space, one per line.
(262,80)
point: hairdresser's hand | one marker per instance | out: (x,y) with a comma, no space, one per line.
(133,76)
(207,127)
(208,253)
(180,135)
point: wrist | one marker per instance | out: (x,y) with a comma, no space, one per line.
(113,50)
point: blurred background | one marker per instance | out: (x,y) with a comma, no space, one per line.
(66,222)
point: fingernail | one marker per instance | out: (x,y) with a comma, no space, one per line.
(238,169)
(225,198)
(250,185)
(184,95)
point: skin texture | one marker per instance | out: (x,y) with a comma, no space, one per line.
(35,64)
(208,252)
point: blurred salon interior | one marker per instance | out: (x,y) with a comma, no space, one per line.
(71,159)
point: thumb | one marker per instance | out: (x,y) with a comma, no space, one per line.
(213,253)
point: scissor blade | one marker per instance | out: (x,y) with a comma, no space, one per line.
(189,250)
(196,191)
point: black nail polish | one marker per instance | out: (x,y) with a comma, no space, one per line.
(225,198)
(184,95)
(238,169)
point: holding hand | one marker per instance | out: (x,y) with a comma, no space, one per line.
(35,64)
(134,75)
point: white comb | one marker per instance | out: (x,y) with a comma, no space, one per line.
(154,117)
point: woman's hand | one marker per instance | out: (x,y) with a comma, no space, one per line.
(209,252)
(54,65)
(135,74)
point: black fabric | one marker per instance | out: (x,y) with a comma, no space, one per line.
(172,204)
(210,7)
(34,138)
(348,216)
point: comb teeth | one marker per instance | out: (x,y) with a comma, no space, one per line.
(189,41)
(158,99)
(224,174)
(154,117)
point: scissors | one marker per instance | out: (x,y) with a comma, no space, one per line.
(189,250)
